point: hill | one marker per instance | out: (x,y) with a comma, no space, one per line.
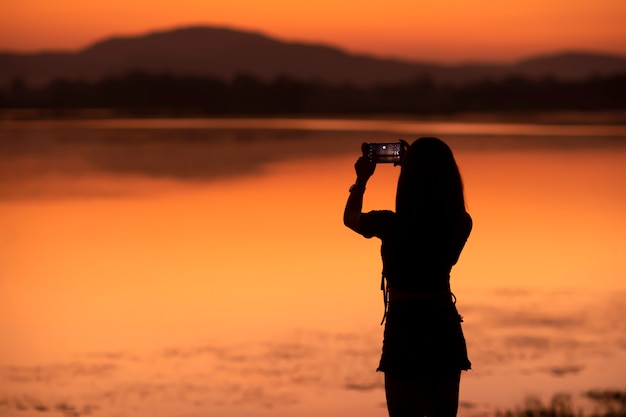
(224,53)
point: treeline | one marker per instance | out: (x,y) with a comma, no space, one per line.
(143,93)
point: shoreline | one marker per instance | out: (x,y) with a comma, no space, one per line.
(615,117)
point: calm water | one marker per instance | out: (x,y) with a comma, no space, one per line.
(200,267)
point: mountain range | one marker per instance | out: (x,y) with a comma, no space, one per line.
(206,51)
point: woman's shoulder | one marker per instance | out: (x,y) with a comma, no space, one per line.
(381,213)
(376,222)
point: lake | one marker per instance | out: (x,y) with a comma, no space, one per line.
(194,267)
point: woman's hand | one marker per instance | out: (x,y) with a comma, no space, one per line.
(364,168)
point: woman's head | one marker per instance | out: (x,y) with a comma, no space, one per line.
(430,182)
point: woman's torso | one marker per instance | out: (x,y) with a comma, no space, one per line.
(418,256)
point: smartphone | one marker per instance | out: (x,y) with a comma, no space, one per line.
(383,153)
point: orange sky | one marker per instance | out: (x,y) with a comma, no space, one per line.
(442,30)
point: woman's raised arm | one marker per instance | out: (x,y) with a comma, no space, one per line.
(352,214)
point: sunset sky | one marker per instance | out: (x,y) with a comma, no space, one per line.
(441,30)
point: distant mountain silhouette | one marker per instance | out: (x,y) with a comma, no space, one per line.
(224,53)
(572,65)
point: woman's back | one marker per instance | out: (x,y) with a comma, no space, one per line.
(417,256)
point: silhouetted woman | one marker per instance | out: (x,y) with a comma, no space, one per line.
(424,348)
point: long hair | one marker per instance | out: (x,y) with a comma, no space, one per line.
(430,183)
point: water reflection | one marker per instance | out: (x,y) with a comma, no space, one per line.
(149,269)
(297,372)
(51,158)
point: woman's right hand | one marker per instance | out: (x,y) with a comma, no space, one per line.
(364,168)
